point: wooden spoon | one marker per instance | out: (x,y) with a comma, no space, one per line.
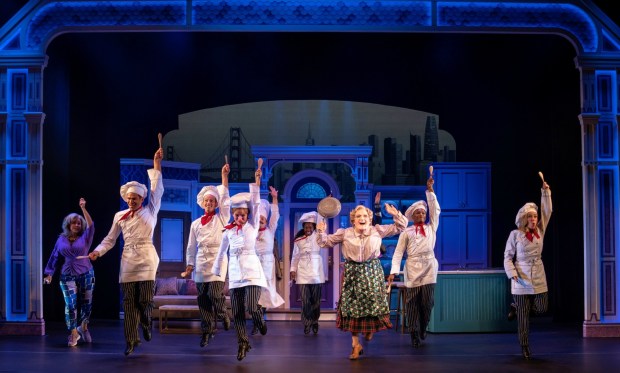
(159,137)
(541,176)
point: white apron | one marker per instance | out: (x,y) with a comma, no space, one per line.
(139,262)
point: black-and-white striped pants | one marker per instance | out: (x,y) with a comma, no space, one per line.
(138,306)
(211,301)
(310,303)
(419,302)
(246,299)
(535,302)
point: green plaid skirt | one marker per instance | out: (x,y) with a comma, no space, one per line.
(363,305)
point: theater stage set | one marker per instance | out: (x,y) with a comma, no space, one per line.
(464,337)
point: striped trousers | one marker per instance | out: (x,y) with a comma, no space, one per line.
(242,300)
(78,293)
(310,303)
(419,302)
(211,301)
(138,306)
(535,302)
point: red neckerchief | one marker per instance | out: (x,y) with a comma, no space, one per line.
(260,232)
(132,212)
(232,225)
(206,218)
(301,238)
(420,227)
(531,233)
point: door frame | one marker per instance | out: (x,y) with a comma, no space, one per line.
(289,202)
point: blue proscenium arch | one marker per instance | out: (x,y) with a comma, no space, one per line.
(25,37)
(58,17)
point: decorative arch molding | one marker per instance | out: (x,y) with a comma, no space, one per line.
(294,181)
(40,22)
(25,37)
(356,157)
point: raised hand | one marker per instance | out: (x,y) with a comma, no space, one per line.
(429,184)
(273,192)
(391,209)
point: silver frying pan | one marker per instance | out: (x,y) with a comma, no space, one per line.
(328,207)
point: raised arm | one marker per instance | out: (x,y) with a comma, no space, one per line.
(275,211)
(546,207)
(377,217)
(433,205)
(225,172)
(159,155)
(89,220)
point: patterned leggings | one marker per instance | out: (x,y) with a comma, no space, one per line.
(535,302)
(78,293)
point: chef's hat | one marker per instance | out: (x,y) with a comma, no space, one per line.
(240,200)
(416,205)
(205,191)
(133,187)
(521,219)
(263,209)
(308,217)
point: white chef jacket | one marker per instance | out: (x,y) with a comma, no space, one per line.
(523,258)
(306,261)
(269,297)
(139,260)
(421,265)
(204,241)
(244,268)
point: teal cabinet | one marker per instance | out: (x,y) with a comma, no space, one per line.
(471,301)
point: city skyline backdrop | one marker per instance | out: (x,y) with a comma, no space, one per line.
(404,141)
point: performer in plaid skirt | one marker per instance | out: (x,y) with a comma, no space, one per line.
(363,305)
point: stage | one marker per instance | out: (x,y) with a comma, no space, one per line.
(555,348)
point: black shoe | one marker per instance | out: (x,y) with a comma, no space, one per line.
(423,334)
(512,314)
(129,348)
(243,349)
(254,330)
(226,323)
(527,354)
(147,332)
(205,338)
(263,328)
(315,328)
(306,329)
(415,340)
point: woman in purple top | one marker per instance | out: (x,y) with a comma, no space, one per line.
(77,277)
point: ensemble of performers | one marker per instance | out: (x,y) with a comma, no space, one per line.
(234,239)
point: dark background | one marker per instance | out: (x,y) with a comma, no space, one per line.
(512,100)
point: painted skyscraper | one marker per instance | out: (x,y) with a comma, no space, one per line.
(431,139)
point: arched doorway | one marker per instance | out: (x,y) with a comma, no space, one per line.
(303,192)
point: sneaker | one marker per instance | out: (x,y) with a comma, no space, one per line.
(85,334)
(73,339)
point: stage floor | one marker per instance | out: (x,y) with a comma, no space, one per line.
(555,348)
